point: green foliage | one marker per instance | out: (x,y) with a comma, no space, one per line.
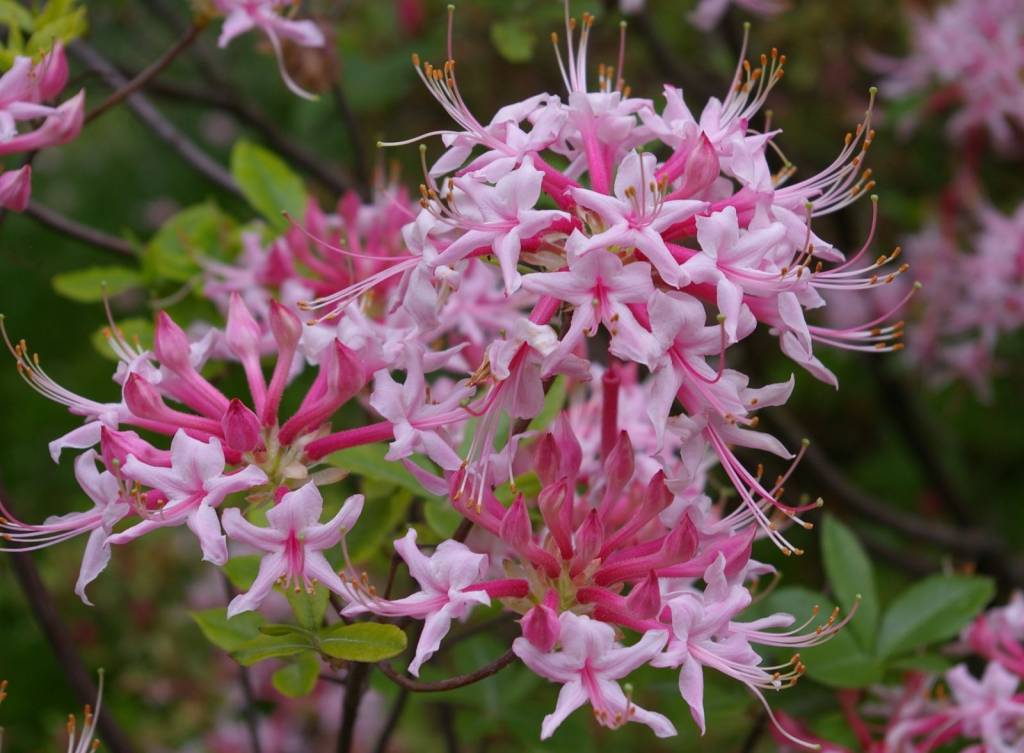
(362,641)
(851,575)
(135,330)
(270,186)
(932,610)
(228,634)
(197,231)
(297,678)
(93,284)
(241,570)
(309,608)
(513,39)
(367,461)
(33,33)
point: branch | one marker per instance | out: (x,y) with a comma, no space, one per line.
(391,724)
(155,120)
(84,233)
(350,704)
(355,137)
(461,681)
(245,681)
(148,74)
(65,651)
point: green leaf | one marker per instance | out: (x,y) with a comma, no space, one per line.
(241,570)
(513,39)
(839,663)
(931,663)
(199,231)
(386,507)
(368,461)
(850,573)
(932,610)
(92,284)
(298,678)
(134,330)
(12,14)
(229,635)
(279,629)
(268,183)
(362,641)
(272,647)
(441,517)
(309,608)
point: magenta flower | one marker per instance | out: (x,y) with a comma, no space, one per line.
(588,665)
(293,542)
(193,485)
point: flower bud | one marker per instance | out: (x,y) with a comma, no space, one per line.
(54,73)
(243,333)
(116,446)
(681,542)
(568,446)
(241,427)
(701,168)
(171,345)
(644,601)
(286,327)
(142,398)
(589,539)
(547,460)
(618,467)
(540,625)
(16,188)
(551,501)
(657,496)
(515,529)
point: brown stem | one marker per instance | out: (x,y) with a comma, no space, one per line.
(55,631)
(245,682)
(151,72)
(151,117)
(355,137)
(391,724)
(439,686)
(84,233)
(354,684)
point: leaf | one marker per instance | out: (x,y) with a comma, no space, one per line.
(368,461)
(227,634)
(199,231)
(513,39)
(442,518)
(385,508)
(553,402)
(362,641)
(134,330)
(272,647)
(309,609)
(92,284)
(839,663)
(268,183)
(298,678)
(850,573)
(241,570)
(932,610)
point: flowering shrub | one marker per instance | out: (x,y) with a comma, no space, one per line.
(534,385)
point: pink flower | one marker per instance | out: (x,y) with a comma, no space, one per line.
(294,542)
(16,188)
(194,484)
(446,581)
(244,15)
(588,665)
(708,13)
(600,287)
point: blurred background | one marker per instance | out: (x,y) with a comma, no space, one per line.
(895,452)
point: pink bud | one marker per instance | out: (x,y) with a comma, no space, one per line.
(589,539)
(241,427)
(657,495)
(551,501)
(568,446)
(142,398)
(540,625)
(644,601)
(737,557)
(243,333)
(681,542)
(515,529)
(701,168)
(618,467)
(285,325)
(54,72)
(171,345)
(547,460)
(116,446)
(16,188)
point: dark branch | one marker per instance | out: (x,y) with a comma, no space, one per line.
(155,120)
(84,233)
(350,705)
(461,681)
(391,724)
(144,77)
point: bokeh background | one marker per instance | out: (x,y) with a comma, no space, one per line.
(889,441)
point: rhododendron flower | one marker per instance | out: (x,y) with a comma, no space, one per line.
(293,542)
(244,15)
(588,665)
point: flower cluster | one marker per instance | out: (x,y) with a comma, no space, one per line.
(25,90)
(968,55)
(980,713)
(599,242)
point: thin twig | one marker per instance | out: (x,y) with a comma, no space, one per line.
(151,72)
(84,233)
(155,120)
(355,138)
(754,736)
(439,686)
(358,673)
(245,681)
(54,628)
